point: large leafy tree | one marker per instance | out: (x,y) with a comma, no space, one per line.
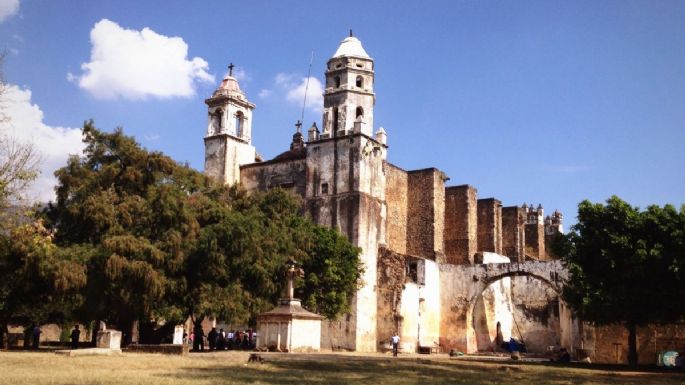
(129,207)
(39,282)
(627,266)
(167,243)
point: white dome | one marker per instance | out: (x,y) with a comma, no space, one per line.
(351,46)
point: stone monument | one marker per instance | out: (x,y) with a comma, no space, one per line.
(109,339)
(178,335)
(289,327)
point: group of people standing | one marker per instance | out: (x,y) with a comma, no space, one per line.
(222,340)
(32,337)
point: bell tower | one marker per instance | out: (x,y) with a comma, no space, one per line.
(346,184)
(348,98)
(228,141)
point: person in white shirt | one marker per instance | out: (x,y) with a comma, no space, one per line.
(395,339)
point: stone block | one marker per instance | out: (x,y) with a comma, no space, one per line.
(109,339)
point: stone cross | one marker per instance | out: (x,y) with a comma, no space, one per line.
(292,271)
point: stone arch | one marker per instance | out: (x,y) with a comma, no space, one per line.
(472,329)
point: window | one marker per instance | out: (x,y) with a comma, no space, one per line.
(360,82)
(216,121)
(239,118)
(337,81)
(416,271)
(324,188)
(360,112)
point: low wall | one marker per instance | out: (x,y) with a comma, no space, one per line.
(160,349)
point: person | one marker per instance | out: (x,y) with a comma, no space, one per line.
(230,340)
(36,336)
(395,339)
(75,336)
(211,339)
(499,338)
(198,338)
(221,340)
(562,356)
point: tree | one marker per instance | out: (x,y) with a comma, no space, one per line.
(129,206)
(165,242)
(39,282)
(18,161)
(626,265)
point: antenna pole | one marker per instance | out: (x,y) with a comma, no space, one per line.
(306,86)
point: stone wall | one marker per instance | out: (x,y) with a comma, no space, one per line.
(223,157)
(462,288)
(489,225)
(391,278)
(396,200)
(514,233)
(609,344)
(288,174)
(420,308)
(426,213)
(461,236)
(535,241)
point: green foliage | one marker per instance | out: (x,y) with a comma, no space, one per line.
(332,272)
(39,282)
(627,266)
(164,242)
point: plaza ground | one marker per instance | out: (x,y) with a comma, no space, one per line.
(17,367)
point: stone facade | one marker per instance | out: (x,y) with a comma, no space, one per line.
(490,225)
(423,243)
(461,237)
(514,233)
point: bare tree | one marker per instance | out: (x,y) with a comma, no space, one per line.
(19,162)
(18,168)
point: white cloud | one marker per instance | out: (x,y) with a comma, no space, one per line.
(265,93)
(132,64)
(284,79)
(151,136)
(8,8)
(53,144)
(295,90)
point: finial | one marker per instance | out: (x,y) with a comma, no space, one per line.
(230,69)
(298,125)
(351,32)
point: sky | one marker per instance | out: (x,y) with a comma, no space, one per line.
(543,102)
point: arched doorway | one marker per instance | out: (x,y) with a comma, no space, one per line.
(528,307)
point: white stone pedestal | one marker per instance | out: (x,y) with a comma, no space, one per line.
(289,328)
(109,339)
(178,335)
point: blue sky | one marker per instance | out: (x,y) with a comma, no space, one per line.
(529,101)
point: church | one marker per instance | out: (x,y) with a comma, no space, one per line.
(442,267)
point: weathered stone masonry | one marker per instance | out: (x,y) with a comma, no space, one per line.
(420,240)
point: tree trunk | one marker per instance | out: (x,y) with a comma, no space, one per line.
(4,336)
(632,344)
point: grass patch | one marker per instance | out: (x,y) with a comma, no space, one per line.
(19,368)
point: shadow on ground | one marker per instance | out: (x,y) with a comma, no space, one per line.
(342,370)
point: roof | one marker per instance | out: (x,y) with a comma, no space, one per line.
(228,86)
(290,308)
(351,46)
